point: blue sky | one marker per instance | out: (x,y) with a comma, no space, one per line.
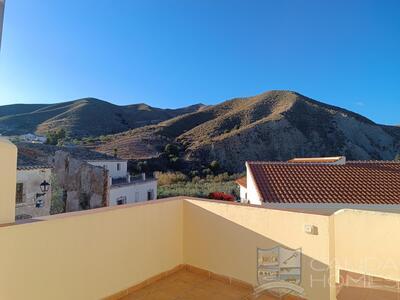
(171,53)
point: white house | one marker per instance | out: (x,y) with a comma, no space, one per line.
(33,192)
(328,183)
(33,138)
(124,188)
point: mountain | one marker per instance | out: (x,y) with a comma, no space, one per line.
(83,117)
(276,125)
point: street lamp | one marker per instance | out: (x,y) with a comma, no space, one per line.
(44,186)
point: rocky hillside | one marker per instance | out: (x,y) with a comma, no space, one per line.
(275,125)
(83,117)
(41,154)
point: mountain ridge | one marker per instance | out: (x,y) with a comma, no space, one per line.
(82,117)
(275,125)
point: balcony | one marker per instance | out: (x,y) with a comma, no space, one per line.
(128,180)
(187,248)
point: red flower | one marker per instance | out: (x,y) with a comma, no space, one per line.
(221,196)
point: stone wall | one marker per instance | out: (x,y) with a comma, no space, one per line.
(84,186)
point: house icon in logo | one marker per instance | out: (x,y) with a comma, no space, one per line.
(279,271)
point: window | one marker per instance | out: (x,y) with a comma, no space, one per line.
(20,193)
(118,166)
(121,200)
(137,196)
(84,201)
(150,195)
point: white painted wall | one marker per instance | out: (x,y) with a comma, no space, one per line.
(112,167)
(31,180)
(134,192)
(243,194)
(252,194)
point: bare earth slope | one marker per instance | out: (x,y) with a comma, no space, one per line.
(83,117)
(275,125)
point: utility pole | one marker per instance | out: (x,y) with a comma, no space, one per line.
(2,2)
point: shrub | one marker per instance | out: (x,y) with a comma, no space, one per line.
(170,178)
(221,196)
(171,149)
(142,166)
(214,166)
(206,171)
(55,137)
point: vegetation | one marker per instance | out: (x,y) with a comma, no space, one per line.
(169,178)
(221,196)
(56,137)
(57,204)
(178,184)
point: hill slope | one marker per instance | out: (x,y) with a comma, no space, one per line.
(83,117)
(276,125)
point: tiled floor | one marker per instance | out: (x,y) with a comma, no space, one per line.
(185,285)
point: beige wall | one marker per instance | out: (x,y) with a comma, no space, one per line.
(368,243)
(93,254)
(223,238)
(89,255)
(8,171)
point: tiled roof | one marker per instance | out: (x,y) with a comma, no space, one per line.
(316,159)
(359,182)
(242,181)
(33,167)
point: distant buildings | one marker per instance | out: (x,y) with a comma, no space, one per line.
(322,183)
(98,183)
(124,188)
(32,138)
(33,192)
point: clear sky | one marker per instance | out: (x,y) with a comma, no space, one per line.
(171,53)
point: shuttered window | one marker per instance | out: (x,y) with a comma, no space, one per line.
(20,193)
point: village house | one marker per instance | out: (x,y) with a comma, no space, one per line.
(32,138)
(33,192)
(124,188)
(88,184)
(322,183)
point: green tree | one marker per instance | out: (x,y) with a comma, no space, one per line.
(55,137)
(57,205)
(171,149)
(214,166)
(142,166)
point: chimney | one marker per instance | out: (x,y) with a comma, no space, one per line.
(143,176)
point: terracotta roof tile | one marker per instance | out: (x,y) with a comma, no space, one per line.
(360,182)
(242,181)
(316,159)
